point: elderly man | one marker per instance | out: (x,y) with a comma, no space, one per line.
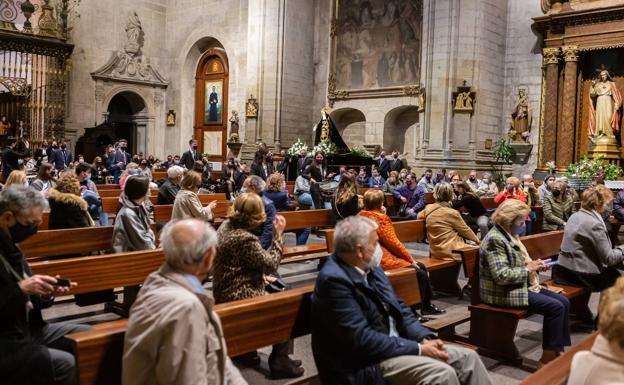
(411,195)
(255,184)
(174,336)
(473,181)
(169,189)
(366,335)
(32,351)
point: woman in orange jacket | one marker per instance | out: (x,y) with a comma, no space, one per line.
(395,255)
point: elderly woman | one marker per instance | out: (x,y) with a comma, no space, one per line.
(487,187)
(446,230)
(603,364)
(187,203)
(587,257)
(509,277)
(558,207)
(392,183)
(67,208)
(395,255)
(241,266)
(512,191)
(132,231)
(45,178)
(470,201)
(132,169)
(346,201)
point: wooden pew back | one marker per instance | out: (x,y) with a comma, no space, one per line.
(413,230)
(49,243)
(162,213)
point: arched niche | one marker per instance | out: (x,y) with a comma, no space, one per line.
(211,103)
(397,124)
(351,124)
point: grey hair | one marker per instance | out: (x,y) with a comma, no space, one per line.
(562,179)
(20,199)
(188,249)
(487,175)
(352,231)
(174,172)
(525,176)
(256,184)
(443,192)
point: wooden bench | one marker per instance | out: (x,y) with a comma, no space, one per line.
(248,325)
(116,193)
(493,328)
(102,187)
(443,273)
(557,371)
(50,243)
(111,204)
(159,174)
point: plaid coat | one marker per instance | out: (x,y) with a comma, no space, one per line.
(503,275)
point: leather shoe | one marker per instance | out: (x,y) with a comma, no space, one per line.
(296,362)
(432,310)
(422,319)
(284,367)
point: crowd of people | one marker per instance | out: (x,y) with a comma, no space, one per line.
(364,333)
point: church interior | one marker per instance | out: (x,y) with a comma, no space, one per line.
(512,108)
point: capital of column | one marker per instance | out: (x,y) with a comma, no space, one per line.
(551,55)
(570,52)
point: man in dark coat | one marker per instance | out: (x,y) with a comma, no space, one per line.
(190,156)
(61,157)
(32,351)
(396,164)
(119,160)
(11,158)
(169,189)
(303,161)
(364,335)
(383,165)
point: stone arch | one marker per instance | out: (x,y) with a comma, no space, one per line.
(134,115)
(351,124)
(399,124)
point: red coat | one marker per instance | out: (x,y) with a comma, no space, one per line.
(395,255)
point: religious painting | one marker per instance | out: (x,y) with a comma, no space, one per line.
(213,143)
(376,44)
(213,110)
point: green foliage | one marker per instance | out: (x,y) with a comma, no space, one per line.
(360,151)
(503,154)
(594,168)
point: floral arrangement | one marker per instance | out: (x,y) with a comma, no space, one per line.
(596,168)
(551,166)
(360,151)
(327,147)
(296,147)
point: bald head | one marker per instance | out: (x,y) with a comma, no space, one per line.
(188,244)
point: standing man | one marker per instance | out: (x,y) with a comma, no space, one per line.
(303,162)
(367,335)
(191,155)
(61,157)
(383,165)
(120,160)
(11,159)
(396,164)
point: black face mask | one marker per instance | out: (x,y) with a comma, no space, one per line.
(556,193)
(20,232)
(63,146)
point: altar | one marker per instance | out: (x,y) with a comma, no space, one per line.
(583,77)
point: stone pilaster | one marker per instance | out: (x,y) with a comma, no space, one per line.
(548,148)
(565,134)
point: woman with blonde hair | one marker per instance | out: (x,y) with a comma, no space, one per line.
(187,203)
(446,230)
(512,191)
(241,266)
(604,363)
(16,177)
(67,208)
(586,257)
(346,200)
(508,277)
(392,183)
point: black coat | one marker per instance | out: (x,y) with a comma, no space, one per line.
(188,159)
(395,164)
(67,211)
(167,193)
(383,165)
(61,158)
(257,169)
(302,164)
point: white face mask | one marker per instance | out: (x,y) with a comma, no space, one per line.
(376,258)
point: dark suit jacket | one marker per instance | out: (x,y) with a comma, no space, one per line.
(60,160)
(117,157)
(257,169)
(352,336)
(383,165)
(302,164)
(395,164)
(188,160)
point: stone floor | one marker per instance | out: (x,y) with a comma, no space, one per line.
(528,338)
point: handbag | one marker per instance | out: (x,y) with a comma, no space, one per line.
(278,285)
(328,186)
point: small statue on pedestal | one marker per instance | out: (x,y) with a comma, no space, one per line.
(233,127)
(521,118)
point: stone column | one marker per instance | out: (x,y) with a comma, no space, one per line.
(565,134)
(548,140)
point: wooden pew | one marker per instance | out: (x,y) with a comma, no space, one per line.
(300,219)
(162,213)
(248,325)
(50,243)
(557,371)
(484,318)
(101,187)
(111,204)
(442,272)
(116,193)
(159,174)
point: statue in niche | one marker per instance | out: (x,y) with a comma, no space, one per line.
(605,101)
(463,102)
(234,127)
(521,118)
(134,35)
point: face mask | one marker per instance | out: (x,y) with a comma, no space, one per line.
(134,171)
(395,156)
(518,230)
(509,187)
(243,189)
(472,178)
(20,232)
(556,193)
(269,159)
(428,178)
(486,181)
(63,146)
(81,160)
(194,147)
(382,156)
(376,258)
(87,177)
(177,161)
(319,161)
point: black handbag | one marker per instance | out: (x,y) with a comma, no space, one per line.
(278,286)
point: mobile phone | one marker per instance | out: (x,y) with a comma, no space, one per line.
(63,282)
(551,263)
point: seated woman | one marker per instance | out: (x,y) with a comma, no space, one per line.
(187,203)
(131,169)
(472,203)
(558,207)
(276,192)
(302,192)
(346,201)
(512,191)
(395,255)
(45,178)
(241,265)
(487,187)
(132,231)
(509,277)
(392,183)
(446,230)
(604,363)
(587,257)
(67,208)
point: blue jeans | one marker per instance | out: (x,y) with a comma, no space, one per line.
(302,235)
(95,207)
(305,199)
(555,308)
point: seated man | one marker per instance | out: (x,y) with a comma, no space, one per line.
(411,195)
(174,336)
(169,189)
(366,335)
(32,351)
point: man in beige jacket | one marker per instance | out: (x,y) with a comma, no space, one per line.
(174,336)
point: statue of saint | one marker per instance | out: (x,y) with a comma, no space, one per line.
(234,126)
(133,34)
(605,101)
(521,118)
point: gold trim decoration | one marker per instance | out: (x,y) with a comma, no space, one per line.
(332,93)
(411,90)
(17,86)
(570,52)
(551,55)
